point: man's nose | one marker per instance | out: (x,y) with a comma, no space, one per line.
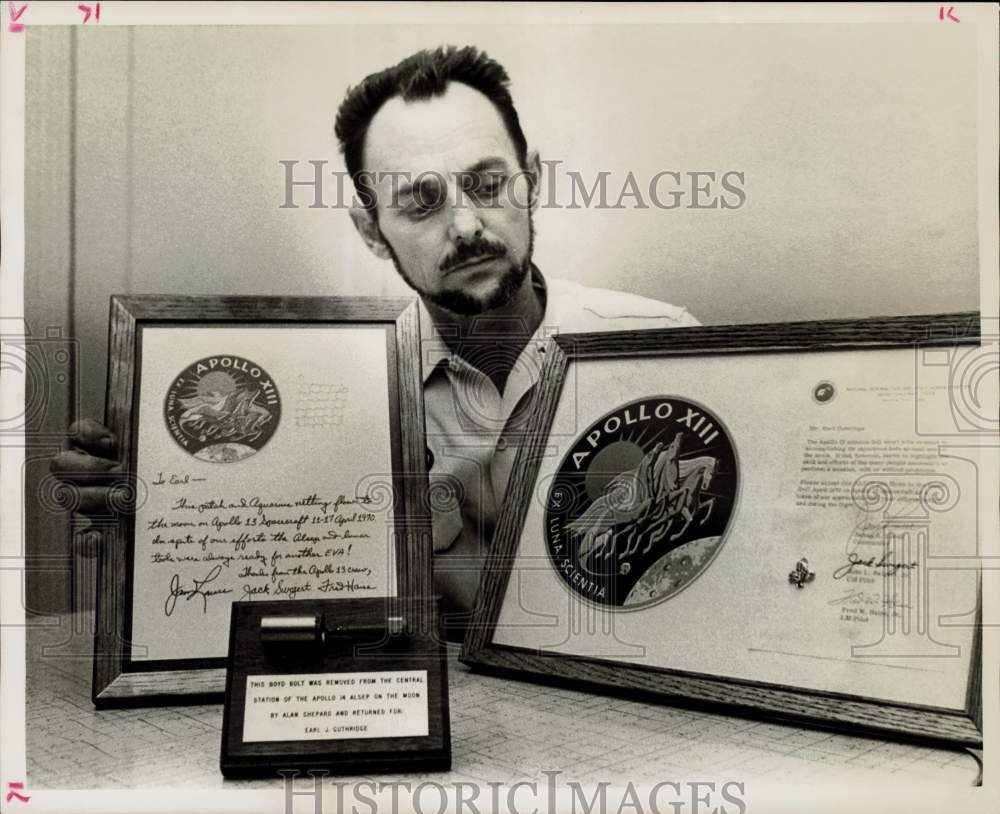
(465,223)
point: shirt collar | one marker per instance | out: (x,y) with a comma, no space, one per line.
(435,351)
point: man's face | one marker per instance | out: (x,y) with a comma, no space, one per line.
(453,207)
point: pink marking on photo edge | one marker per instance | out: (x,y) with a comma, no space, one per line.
(87,11)
(13,791)
(15,14)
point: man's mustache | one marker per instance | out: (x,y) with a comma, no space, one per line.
(478,249)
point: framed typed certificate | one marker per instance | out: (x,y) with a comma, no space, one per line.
(273,450)
(781,519)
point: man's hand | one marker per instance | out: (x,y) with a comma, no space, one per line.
(89,470)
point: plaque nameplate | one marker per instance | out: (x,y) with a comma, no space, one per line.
(335,706)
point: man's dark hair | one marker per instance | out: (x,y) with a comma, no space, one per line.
(421,76)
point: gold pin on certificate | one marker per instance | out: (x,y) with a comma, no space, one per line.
(266,441)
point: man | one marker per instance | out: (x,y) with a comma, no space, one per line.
(446,190)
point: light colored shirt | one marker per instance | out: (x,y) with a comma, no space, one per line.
(473,430)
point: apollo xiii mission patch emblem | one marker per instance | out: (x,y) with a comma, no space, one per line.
(641,503)
(222,408)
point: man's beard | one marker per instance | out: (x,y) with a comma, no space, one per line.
(465,304)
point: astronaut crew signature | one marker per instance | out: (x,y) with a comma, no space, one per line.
(887,566)
(346,584)
(177,591)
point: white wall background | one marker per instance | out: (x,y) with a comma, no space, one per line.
(857,143)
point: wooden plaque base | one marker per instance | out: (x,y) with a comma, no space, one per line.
(356,647)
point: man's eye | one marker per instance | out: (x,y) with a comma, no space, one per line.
(418,211)
(494,184)
(490,188)
(421,208)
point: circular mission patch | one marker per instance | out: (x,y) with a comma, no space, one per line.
(641,503)
(222,408)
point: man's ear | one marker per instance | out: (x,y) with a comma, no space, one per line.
(367,226)
(534,164)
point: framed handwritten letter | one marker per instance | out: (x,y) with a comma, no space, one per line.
(780,519)
(273,450)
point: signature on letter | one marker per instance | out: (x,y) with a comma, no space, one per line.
(886,566)
(198,590)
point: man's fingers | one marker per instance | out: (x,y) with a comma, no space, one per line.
(91,501)
(79,467)
(58,496)
(99,500)
(93,437)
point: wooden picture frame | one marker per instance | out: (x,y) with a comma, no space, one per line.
(364,355)
(547,600)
